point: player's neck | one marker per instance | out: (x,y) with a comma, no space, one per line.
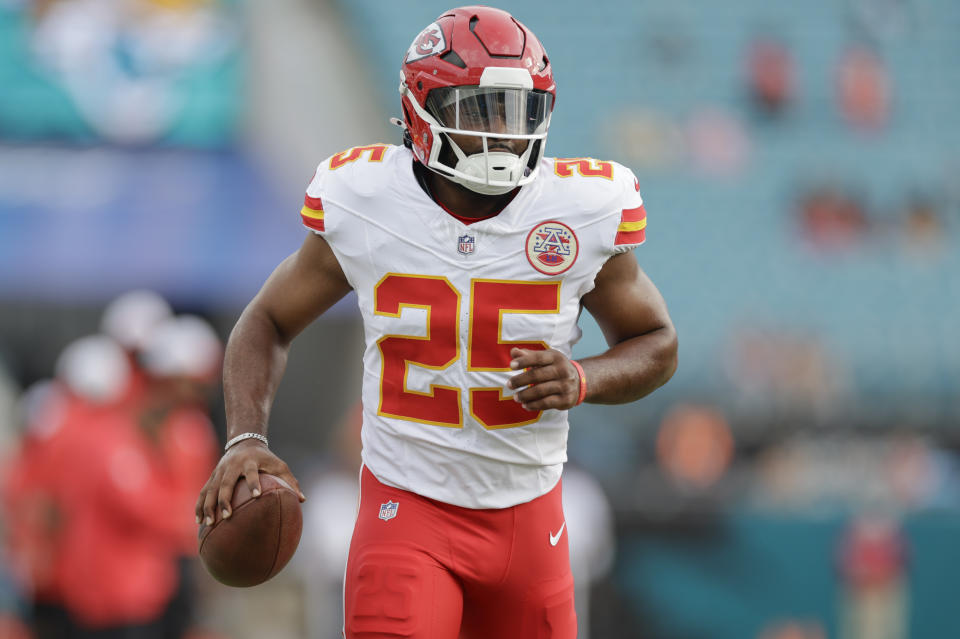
(461,201)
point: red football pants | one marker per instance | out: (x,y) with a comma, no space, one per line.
(437,571)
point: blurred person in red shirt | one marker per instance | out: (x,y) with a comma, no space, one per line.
(91,375)
(30,515)
(151,464)
(94,377)
(771,78)
(873,564)
(863,88)
(115,480)
(118,567)
(182,360)
(832,217)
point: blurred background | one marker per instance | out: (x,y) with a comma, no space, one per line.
(797,479)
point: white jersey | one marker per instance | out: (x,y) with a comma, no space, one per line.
(443,303)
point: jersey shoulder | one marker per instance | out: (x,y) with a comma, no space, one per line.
(599,191)
(593,184)
(355,173)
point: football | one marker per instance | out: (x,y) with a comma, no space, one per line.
(258,539)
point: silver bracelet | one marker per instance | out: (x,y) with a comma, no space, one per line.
(242,436)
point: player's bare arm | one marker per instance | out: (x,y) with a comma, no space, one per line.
(299,290)
(643,346)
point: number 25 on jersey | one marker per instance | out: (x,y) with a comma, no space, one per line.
(440,348)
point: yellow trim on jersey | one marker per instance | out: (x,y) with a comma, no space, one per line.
(313,214)
(628,227)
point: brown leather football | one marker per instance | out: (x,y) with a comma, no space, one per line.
(258,539)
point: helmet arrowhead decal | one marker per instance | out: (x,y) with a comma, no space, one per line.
(429,42)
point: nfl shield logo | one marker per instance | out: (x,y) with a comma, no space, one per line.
(466,244)
(389,510)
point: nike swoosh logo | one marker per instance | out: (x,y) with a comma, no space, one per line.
(556,538)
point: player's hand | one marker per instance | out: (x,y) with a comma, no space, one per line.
(551,380)
(247,459)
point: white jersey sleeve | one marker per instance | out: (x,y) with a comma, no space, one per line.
(312,213)
(631,230)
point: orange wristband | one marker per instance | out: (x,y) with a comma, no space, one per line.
(583,382)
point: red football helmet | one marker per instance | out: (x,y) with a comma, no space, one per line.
(479,75)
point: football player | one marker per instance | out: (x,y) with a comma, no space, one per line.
(471,255)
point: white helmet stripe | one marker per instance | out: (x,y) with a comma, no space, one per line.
(506,78)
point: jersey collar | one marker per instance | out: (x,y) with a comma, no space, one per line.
(419,173)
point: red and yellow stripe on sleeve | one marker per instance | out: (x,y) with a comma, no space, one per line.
(312,213)
(632,229)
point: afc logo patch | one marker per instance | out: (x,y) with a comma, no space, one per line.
(389,510)
(429,42)
(552,248)
(466,244)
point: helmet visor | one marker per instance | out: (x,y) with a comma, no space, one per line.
(490,110)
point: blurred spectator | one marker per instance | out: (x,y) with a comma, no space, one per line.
(718,143)
(923,230)
(830,217)
(182,358)
(695,445)
(794,630)
(120,531)
(863,88)
(782,371)
(589,520)
(102,493)
(770,76)
(873,559)
(833,217)
(899,473)
(38,484)
(330,514)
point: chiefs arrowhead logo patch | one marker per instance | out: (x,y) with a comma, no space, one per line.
(429,42)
